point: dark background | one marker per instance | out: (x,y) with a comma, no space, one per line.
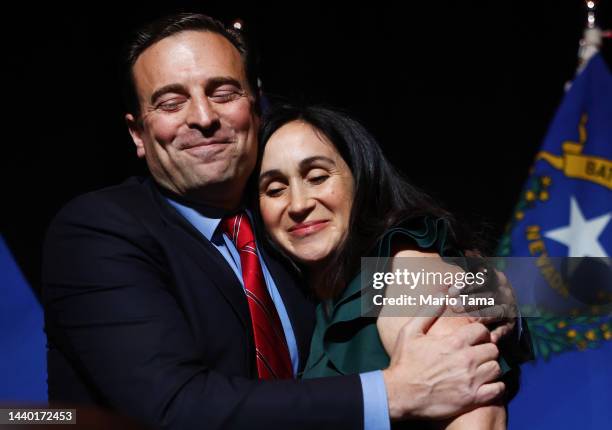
(459,93)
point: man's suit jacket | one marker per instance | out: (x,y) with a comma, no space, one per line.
(144,316)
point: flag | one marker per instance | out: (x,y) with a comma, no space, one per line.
(23,371)
(565,210)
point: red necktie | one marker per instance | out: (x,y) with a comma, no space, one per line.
(273,361)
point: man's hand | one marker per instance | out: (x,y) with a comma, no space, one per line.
(501,317)
(435,377)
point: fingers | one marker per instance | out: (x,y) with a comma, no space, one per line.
(478,302)
(496,282)
(502,330)
(477,306)
(489,392)
(504,287)
(472,287)
(502,279)
(493,314)
(475,301)
(486,377)
(488,372)
(472,334)
(496,315)
(423,321)
(484,353)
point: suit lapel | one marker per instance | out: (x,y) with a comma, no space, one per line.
(208,258)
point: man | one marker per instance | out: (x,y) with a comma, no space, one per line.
(156,310)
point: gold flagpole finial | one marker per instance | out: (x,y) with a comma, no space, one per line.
(591,39)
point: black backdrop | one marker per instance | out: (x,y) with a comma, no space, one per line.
(459,93)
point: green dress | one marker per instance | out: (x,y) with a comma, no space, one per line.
(344,342)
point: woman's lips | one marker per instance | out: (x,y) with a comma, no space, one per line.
(308,228)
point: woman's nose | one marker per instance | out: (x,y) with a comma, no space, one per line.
(301,203)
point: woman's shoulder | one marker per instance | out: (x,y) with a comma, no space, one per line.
(416,236)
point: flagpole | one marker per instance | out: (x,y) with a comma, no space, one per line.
(591,37)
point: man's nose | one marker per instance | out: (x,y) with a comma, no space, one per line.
(201,113)
(302,203)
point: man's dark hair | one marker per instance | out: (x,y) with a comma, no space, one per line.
(167,26)
(383,198)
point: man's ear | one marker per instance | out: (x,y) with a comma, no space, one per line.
(136,133)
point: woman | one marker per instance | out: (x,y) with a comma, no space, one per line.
(328,197)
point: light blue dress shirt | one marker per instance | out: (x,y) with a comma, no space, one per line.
(375,406)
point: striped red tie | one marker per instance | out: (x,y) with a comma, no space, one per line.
(272,353)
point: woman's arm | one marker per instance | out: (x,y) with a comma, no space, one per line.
(487,417)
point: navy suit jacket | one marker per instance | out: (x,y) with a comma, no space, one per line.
(145,317)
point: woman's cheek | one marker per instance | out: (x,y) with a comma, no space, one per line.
(270,214)
(264,209)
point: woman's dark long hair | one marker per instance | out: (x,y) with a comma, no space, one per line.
(382,197)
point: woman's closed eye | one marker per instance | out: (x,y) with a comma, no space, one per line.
(275,189)
(317,176)
(318,179)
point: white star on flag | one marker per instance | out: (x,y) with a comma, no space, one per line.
(581,235)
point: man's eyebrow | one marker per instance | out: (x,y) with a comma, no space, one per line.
(217,81)
(307,161)
(170,88)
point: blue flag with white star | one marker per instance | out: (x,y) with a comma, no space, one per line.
(565,210)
